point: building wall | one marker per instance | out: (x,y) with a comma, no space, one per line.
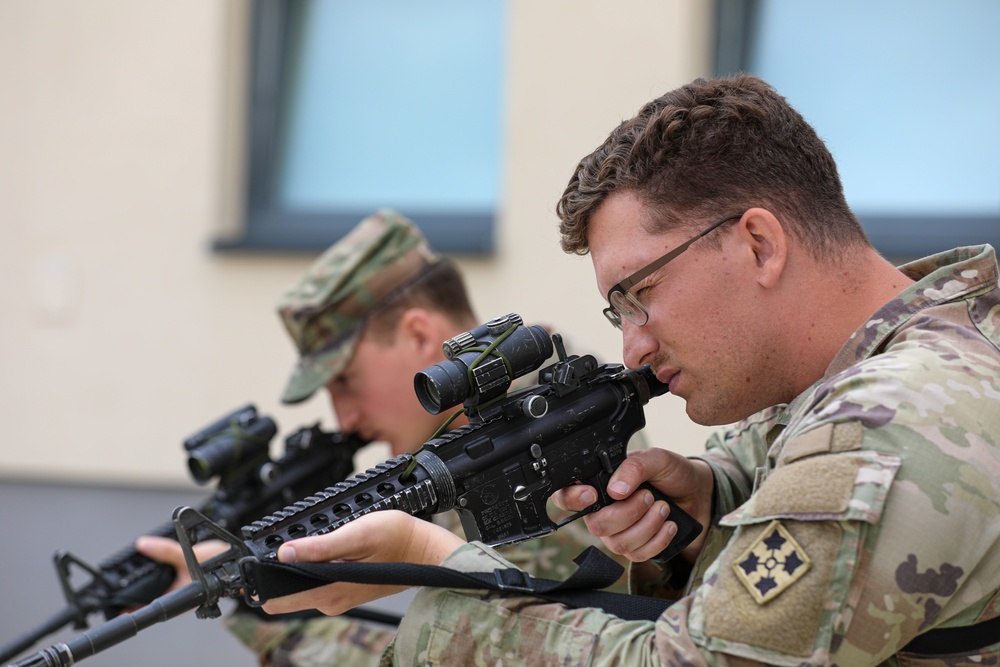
(121,132)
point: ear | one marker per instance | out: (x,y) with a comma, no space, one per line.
(766,244)
(419,330)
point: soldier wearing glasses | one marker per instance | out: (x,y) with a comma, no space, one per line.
(852,504)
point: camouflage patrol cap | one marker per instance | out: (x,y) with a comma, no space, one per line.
(325,309)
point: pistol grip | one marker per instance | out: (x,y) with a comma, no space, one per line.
(687,528)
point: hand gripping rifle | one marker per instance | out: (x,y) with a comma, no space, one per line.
(497,472)
(233,449)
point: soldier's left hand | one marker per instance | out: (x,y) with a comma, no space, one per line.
(384,536)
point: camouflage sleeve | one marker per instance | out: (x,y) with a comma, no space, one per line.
(735,454)
(448,627)
(314,642)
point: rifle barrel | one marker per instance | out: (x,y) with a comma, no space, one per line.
(117,629)
(28,639)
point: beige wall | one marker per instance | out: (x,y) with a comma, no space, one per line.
(120,158)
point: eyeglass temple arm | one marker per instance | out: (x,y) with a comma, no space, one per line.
(627,284)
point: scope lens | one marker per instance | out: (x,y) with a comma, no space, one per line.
(433,395)
(202,470)
(428,393)
(198,470)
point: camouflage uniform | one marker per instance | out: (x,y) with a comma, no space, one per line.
(324,313)
(848,522)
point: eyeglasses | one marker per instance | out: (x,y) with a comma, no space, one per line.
(623,302)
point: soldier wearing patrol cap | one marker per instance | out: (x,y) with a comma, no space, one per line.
(326,309)
(365,317)
(370,313)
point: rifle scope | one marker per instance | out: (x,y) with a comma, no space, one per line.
(228,450)
(482,363)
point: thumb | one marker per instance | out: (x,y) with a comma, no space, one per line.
(630,474)
(306,550)
(653,464)
(383,535)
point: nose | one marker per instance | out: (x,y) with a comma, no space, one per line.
(638,343)
(346,410)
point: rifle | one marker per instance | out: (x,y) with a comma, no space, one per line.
(235,450)
(497,472)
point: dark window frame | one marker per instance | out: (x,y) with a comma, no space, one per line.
(898,236)
(269,227)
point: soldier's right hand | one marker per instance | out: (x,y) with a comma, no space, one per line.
(638,526)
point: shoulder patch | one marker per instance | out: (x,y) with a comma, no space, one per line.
(772,563)
(786,622)
(822,485)
(839,437)
(810,443)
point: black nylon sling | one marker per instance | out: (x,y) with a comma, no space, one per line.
(595,571)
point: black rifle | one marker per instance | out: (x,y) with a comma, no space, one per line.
(497,472)
(234,449)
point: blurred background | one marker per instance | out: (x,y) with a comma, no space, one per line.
(168,168)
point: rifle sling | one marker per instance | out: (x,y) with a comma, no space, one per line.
(595,571)
(943,641)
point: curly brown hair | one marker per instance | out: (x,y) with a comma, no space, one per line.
(714,148)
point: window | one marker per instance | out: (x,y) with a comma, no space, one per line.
(362,105)
(904,92)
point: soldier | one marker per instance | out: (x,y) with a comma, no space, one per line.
(852,508)
(370,313)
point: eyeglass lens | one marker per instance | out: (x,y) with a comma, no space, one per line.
(628,307)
